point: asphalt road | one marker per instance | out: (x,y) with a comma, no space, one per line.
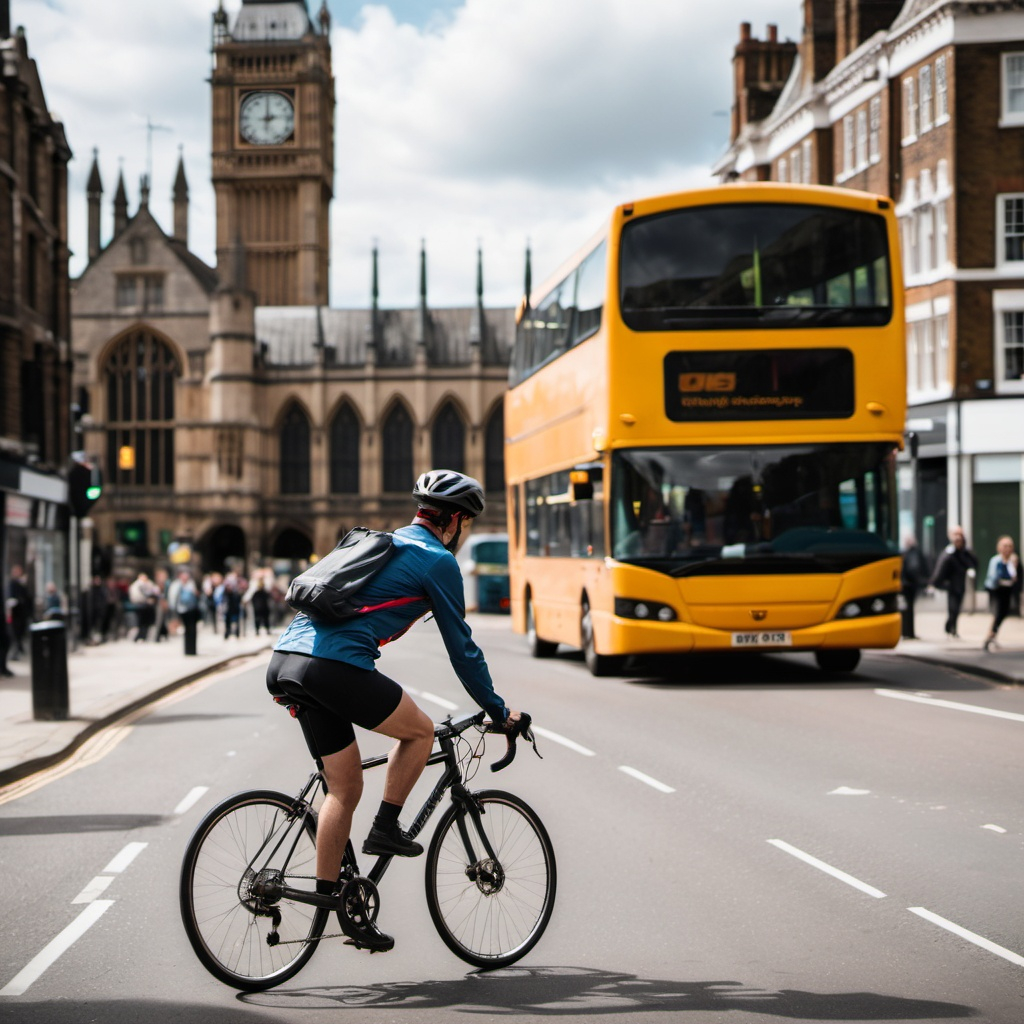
(738,840)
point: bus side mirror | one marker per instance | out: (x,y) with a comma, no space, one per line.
(581,487)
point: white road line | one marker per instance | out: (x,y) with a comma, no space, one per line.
(194,794)
(848,791)
(434,699)
(953,705)
(994,828)
(35,967)
(660,786)
(124,858)
(95,888)
(556,738)
(978,940)
(827,868)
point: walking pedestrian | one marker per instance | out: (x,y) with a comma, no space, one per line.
(955,564)
(143,594)
(19,609)
(259,598)
(913,576)
(1002,581)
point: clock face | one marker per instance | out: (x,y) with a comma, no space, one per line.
(266,118)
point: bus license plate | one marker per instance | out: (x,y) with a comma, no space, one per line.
(763,638)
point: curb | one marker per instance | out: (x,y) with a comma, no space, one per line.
(968,669)
(37,764)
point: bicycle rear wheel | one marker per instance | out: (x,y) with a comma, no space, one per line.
(491,880)
(243,849)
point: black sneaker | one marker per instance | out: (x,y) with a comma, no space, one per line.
(357,922)
(393,843)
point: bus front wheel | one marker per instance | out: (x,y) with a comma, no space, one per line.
(538,648)
(599,664)
(834,660)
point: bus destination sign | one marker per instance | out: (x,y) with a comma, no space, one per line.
(759,384)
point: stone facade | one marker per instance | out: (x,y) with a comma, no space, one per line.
(923,101)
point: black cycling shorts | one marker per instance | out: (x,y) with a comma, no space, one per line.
(331,695)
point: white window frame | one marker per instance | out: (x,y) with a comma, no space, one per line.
(942,233)
(1010,300)
(783,171)
(862,138)
(808,157)
(928,369)
(909,110)
(1011,118)
(875,129)
(941,89)
(1002,263)
(848,166)
(924,90)
(796,171)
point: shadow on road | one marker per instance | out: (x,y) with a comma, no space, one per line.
(584,992)
(64,824)
(128,1011)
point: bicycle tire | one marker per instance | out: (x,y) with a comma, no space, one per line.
(229,935)
(494,919)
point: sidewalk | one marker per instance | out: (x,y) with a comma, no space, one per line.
(104,683)
(110,680)
(1004,663)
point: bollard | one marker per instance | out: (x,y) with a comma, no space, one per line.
(189,621)
(49,670)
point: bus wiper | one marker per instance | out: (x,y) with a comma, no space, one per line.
(750,565)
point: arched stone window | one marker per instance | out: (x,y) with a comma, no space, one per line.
(140,374)
(448,440)
(396,438)
(294,461)
(494,450)
(345,435)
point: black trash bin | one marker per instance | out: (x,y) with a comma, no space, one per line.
(49,670)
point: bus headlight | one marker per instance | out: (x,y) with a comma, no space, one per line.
(646,610)
(878,604)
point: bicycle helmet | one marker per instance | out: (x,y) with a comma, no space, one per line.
(448,491)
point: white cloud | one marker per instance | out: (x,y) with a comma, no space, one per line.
(501,121)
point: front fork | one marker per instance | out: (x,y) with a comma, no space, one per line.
(482,865)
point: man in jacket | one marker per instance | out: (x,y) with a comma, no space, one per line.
(956,562)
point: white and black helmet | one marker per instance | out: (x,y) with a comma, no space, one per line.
(449,491)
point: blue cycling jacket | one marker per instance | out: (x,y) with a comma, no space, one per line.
(420,565)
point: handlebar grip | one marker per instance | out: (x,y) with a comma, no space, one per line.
(520,728)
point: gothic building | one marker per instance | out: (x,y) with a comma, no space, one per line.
(921,100)
(233,409)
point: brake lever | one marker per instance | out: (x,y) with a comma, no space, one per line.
(522,729)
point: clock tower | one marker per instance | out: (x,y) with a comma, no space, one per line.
(273,147)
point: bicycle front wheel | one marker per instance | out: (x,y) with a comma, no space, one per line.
(491,879)
(241,929)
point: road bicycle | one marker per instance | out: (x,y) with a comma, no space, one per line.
(249,870)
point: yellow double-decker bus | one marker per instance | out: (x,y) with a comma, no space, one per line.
(704,411)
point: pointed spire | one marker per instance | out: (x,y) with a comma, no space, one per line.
(423,273)
(528,285)
(94,197)
(181,200)
(120,204)
(374,289)
(325,19)
(479,274)
(144,192)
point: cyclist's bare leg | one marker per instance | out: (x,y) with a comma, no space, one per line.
(415,734)
(343,773)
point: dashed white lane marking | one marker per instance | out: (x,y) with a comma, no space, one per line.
(95,888)
(827,868)
(847,791)
(19,984)
(564,741)
(953,705)
(994,828)
(440,701)
(124,858)
(654,783)
(194,795)
(978,940)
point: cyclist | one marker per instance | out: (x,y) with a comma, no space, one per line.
(327,670)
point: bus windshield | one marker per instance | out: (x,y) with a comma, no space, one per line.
(755,265)
(720,511)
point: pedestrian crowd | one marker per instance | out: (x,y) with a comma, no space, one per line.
(146,608)
(956,566)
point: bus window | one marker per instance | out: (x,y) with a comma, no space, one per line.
(590,289)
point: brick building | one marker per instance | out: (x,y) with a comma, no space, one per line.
(270,422)
(921,100)
(35,347)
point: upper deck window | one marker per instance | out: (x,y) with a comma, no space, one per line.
(755,265)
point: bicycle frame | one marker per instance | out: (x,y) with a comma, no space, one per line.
(451,779)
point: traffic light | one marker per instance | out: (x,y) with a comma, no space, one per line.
(85,485)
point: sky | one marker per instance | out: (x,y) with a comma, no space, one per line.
(459,123)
